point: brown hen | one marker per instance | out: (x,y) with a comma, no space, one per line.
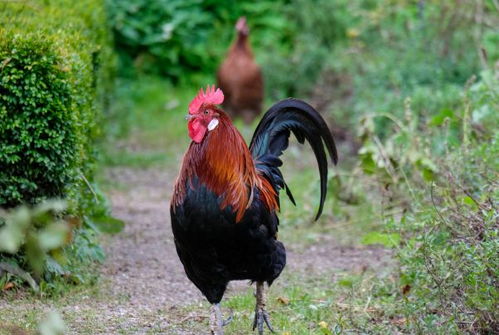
(240,78)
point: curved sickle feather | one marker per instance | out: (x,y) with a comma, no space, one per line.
(271,138)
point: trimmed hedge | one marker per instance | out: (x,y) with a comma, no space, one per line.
(56,66)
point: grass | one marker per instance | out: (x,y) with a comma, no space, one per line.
(332,303)
(29,309)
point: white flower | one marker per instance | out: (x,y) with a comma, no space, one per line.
(167,29)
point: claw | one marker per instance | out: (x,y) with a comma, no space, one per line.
(261,318)
(261,315)
(266,318)
(228,320)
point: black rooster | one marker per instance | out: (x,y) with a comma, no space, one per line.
(226,198)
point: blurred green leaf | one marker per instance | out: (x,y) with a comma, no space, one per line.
(107,224)
(467,200)
(12,234)
(345,282)
(53,324)
(391,240)
(49,206)
(440,118)
(428,168)
(53,236)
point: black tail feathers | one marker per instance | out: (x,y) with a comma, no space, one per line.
(271,138)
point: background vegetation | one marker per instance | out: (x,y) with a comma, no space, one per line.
(57,68)
(410,87)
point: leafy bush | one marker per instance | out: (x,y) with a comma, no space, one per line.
(38,231)
(425,118)
(55,243)
(56,72)
(180,39)
(449,261)
(295,41)
(38,129)
(163,37)
(447,190)
(399,49)
(316,29)
(52,85)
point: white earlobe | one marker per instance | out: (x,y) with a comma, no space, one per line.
(213,124)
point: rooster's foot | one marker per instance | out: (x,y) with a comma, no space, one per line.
(261,315)
(216,321)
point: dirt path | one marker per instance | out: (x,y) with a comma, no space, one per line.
(142,268)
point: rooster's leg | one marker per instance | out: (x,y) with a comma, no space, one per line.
(216,322)
(261,315)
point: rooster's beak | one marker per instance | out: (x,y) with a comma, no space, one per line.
(189,116)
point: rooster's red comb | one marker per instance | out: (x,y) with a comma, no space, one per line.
(210,97)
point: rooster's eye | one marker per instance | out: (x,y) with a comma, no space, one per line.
(206,111)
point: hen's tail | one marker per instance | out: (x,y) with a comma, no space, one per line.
(271,138)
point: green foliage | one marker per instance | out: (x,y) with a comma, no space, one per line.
(425,121)
(160,34)
(172,38)
(38,232)
(315,29)
(53,324)
(56,73)
(51,91)
(55,243)
(295,41)
(179,39)
(38,129)
(446,186)
(449,259)
(388,240)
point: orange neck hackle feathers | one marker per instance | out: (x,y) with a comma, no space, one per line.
(222,162)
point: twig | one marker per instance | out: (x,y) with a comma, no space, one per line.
(367,304)
(435,205)
(193,316)
(89,187)
(388,164)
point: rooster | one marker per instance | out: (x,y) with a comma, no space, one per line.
(240,78)
(226,197)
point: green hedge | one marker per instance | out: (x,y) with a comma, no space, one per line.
(56,67)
